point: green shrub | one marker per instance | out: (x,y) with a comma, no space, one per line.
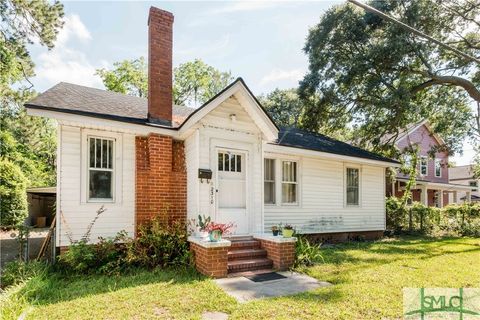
(159,245)
(105,257)
(396,214)
(13,184)
(15,272)
(307,254)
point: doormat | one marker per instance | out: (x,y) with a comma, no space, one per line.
(265,277)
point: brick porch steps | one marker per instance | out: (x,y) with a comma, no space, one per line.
(245,244)
(245,254)
(249,264)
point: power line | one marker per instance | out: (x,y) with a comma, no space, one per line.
(413,30)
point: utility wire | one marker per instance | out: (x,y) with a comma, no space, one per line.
(413,30)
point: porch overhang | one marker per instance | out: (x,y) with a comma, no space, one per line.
(447,187)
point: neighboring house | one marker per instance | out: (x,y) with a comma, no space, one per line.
(141,158)
(464,175)
(433,186)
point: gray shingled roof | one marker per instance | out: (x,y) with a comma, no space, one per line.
(296,138)
(72,98)
(75,99)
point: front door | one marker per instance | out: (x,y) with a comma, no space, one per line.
(232,202)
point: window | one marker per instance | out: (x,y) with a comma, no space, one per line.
(269,182)
(407,160)
(289,182)
(353,186)
(438,168)
(423,166)
(100,168)
(229,162)
(474,184)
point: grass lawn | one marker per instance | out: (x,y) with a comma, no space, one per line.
(368,279)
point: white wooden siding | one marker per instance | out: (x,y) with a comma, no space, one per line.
(322,199)
(72,204)
(217,129)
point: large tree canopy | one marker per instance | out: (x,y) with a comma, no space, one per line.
(22,23)
(378,77)
(194,82)
(284,106)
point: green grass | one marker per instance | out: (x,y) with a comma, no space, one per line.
(367,284)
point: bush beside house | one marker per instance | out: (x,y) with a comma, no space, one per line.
(14,207)
(454,219)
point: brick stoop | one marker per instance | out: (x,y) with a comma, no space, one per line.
(245,254)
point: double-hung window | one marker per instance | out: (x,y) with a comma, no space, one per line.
(423,166)
(438,168)
(289,182)
(269,181)
(100,168)
(353,186)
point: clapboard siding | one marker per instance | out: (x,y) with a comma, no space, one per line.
(322,204)
(218,130)
(77,212)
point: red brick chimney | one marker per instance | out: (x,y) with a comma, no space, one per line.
(160,44)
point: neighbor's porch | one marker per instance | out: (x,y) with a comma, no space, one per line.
(433,194)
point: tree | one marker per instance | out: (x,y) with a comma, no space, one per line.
(194,82)
(379,78)
(27,144)
(284,106)
(24,22)
(12,192)
(127,77)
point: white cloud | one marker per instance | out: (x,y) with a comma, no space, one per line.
(277,75)
(73,29)
(63,63)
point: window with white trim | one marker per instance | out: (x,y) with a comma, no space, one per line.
(289,182)
(100,168)
(423,166)
(438,168)
(269,182)
(353,186)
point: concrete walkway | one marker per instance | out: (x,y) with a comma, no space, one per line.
(244,289)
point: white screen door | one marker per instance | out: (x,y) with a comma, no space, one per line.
(231,168)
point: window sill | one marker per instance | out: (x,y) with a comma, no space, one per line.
(100,201)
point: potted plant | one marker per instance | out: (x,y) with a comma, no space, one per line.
(203,223)
(275,230)
(287,231)
(217,230)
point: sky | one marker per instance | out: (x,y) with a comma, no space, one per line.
(262,42)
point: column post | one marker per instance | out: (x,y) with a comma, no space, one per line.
(423,195)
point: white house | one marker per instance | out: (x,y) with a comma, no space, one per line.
(142,158)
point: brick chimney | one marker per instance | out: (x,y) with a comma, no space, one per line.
(160,44)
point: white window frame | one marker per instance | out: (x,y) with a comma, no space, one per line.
(438,162)
(346,204)
(426,166)
(289,182)
(274,181)
(113,170)
(279,158)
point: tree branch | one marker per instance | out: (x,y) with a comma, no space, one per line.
(467,85)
